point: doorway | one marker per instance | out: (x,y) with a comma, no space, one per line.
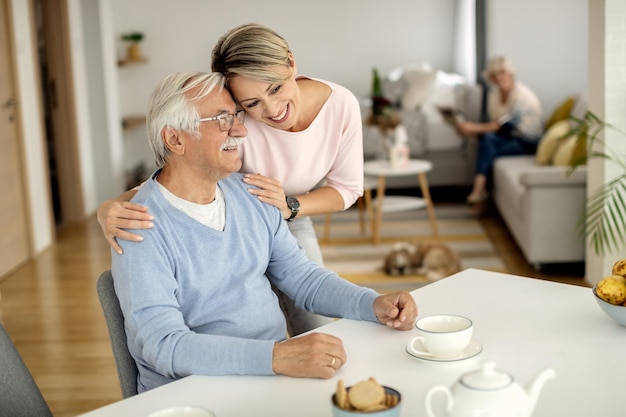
(54,53)
(14,241)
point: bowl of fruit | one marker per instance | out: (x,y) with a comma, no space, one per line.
(610,293)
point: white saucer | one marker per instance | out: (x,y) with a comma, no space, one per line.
(473,349)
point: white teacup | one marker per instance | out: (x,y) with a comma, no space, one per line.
(444,336)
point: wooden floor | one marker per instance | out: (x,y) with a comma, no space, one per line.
(50,308)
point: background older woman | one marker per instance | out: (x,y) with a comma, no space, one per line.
(514,126)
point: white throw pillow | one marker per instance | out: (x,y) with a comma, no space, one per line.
(419,86)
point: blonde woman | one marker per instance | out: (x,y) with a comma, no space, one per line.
(304,152)
(514,126)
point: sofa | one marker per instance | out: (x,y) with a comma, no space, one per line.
(417,91)
(541,206)
(539,199)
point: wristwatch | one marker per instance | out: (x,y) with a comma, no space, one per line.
(294,206)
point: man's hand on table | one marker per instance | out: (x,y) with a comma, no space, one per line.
(319,355)
(397,310)
(315,355)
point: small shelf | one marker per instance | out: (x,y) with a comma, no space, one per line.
(131,122)
(128,62)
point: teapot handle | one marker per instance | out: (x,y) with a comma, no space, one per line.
(433,391)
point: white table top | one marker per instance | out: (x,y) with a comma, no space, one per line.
(525,325)
(383,167)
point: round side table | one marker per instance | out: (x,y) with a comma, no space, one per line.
(382,169)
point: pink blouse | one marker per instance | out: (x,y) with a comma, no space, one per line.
(331,148)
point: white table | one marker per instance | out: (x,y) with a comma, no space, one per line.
(383,169)
(525,325)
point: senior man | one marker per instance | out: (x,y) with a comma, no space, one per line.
(196,292)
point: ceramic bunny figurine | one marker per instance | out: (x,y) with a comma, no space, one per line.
(399,151)
(489,392)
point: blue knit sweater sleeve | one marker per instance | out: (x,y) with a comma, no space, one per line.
(198,300)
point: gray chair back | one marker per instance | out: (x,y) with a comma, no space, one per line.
(19,394)
(126,366)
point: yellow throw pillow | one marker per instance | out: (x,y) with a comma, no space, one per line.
(550,141)
(565,151)
(580,151)
(561,112)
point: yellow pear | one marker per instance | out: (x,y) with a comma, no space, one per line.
(619,268)
(612,289)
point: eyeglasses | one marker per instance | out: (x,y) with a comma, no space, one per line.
(226,120)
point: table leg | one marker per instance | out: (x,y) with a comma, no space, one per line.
(368,204)
(327,221)
(378,215)
(361,207)
(429,203)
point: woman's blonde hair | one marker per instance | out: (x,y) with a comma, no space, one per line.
(498,63)
(252,51)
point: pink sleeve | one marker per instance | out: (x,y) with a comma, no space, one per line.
(346,173)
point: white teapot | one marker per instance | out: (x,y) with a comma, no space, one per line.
(488,392)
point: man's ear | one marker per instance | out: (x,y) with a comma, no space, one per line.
(171,139)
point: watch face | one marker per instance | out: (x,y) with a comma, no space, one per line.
(293,203)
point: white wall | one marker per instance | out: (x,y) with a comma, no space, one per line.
(92,63)
(342,40)
(336,40)
(547,41)
(607,99)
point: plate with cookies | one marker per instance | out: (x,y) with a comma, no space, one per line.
(366,397)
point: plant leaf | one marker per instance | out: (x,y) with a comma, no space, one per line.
(605,219)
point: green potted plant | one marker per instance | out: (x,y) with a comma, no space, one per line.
(133,51)
(604,220)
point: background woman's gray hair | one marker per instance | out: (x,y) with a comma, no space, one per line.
(498,63)
(170,105)
(252,51)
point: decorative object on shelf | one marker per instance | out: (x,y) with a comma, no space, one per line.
(384,114)
(133,50)
(386,117)
(132,121)
(604,220)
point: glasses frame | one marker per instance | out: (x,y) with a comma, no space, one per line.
(226,120)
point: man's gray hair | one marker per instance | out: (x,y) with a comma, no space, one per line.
(171,106)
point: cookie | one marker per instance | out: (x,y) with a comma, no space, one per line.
(366,394)
(391,400)
(341,397)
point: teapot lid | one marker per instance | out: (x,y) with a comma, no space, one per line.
(487,378)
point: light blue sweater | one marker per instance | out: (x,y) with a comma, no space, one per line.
(197,300)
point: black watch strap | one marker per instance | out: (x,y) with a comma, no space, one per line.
(294,206)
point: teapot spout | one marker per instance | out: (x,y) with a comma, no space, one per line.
(536,385)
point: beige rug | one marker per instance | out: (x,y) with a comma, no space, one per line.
(353,256)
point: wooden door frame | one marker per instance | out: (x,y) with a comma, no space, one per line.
(12,63)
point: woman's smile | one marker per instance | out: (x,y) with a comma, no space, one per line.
(282,116)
